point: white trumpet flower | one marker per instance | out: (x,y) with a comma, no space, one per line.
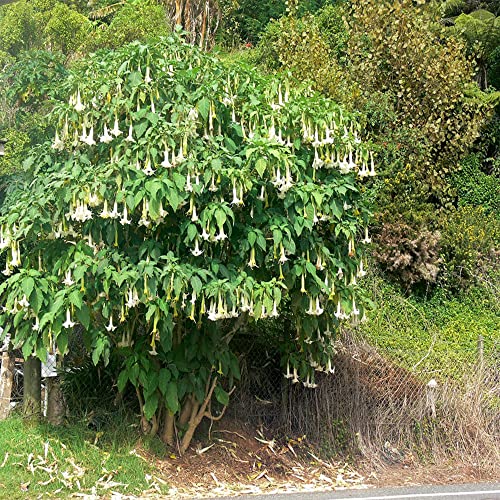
(189,187)
(130,136)
(196,250)
(116,129)
(166,163)
(194,215)
(367,240)
(355,310)
(236,200)
(84,135)
(274,313)
(89,140)
(106,137)
(58,144)
(205,234)
(222,235)
(114,214)
(23,303)
(111,327)
(329,368)
(283,258)
(105,214)
(148,170)
(79,106)
(319,310)
(68,281)
(125,220)
(372,165)
(68,323)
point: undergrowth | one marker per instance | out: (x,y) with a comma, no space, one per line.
(437,335)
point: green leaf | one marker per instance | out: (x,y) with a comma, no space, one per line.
(174,199)
(196,284)
(62,342)
(28,285)
(153,118)
(83,315)
(192,231)
(75,298)
(221,395)
(151,405)
(140,128)
(261,241)
(203,107)
(234,366)
(135,79)
(252,237)
(163,380)
(122,380)
(260,166)
(171,399)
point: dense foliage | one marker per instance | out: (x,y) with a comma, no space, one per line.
(184,198)
(168,199)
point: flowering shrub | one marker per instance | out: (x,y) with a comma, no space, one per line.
(178,200)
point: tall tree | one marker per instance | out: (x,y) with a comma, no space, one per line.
(179,199)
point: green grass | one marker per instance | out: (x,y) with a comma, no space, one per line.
(437,336)
(59,461)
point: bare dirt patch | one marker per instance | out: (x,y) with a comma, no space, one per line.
(238,459)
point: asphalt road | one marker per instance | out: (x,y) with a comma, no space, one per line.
(482,491)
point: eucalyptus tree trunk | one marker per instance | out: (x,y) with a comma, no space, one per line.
(6,379)
(32,398)
(199,18)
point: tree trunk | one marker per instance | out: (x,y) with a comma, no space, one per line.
(55,401)
(6,379)
(186,411)
(32,399)
(167,435)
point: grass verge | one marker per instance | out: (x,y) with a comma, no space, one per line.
(42,460)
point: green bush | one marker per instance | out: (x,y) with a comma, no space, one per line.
(436,335)
(470,248)
(297,45)
(67,29)
(429,79)
(331,21)
(476,188)
(141,20)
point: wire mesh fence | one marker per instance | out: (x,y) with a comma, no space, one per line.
(384,403)
(380,402)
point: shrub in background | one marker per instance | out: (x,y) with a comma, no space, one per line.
(296,44)
(470,248)
(134,21)
(476,188)
(427,76)
(331,20)
(408,254)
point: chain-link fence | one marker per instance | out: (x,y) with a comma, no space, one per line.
(381,402)
(16,390)
(385,403)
